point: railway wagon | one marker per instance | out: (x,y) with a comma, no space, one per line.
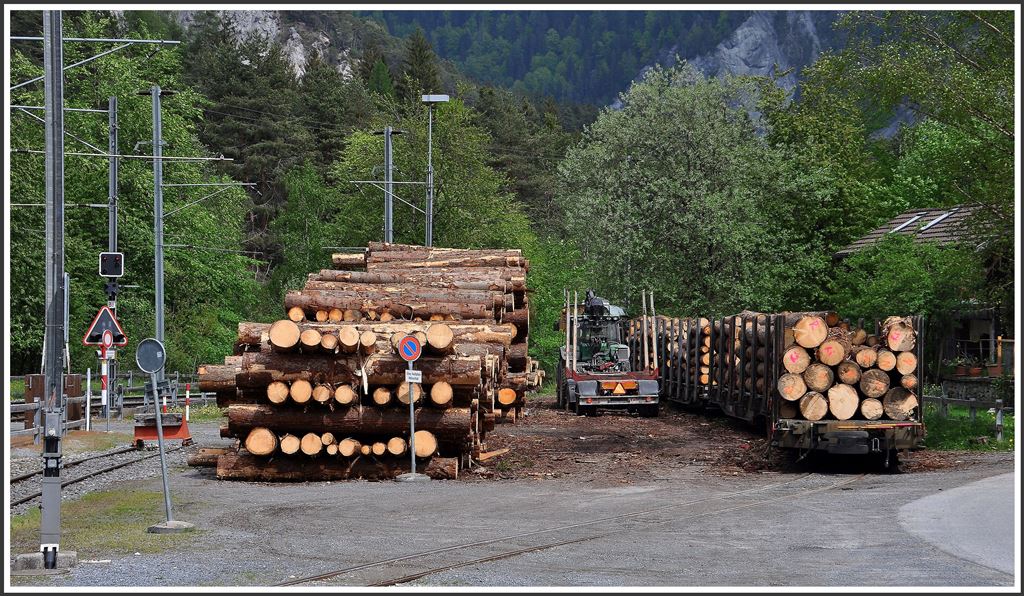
(734,364)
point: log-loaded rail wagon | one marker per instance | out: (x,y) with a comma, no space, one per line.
(815,382)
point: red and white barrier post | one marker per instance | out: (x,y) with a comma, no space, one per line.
(188,399)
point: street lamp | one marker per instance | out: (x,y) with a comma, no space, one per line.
(431,100)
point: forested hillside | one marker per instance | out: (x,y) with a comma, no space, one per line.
(680,190)
(584,56)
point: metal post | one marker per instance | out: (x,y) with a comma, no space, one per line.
(88,399)
(160,445)
(388,191)
(112,192)
(53,402)
(158,217)
(412,427)
(430,177)
(999,420)
(112,179)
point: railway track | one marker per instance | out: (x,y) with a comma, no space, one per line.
(86,476)
(603,522)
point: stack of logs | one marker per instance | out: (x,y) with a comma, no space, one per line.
(321,394)
(841,372)
(830,369)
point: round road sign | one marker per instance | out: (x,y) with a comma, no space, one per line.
(108,338)
(409,348)
(150,355)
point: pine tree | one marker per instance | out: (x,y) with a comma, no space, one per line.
(380,80)
(368,61)
(421,73)
(332,106)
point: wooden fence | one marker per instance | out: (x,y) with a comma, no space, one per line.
(942,403)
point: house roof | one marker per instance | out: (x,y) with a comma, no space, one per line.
(943,225)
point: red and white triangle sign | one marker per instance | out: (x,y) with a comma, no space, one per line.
(105,321)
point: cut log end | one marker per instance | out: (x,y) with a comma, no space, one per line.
(426,443)
(283,335)
(277,392)
(813,405)
(345,395)
(796,359)
(810,331)
(300,391)
(260,441)
(843,401)
(441,394)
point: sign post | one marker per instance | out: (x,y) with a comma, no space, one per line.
(151,356)
(410,350)
(105,331)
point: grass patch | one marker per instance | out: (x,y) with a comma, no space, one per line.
(204,413)
(79,441)
(958,432)
(103,524)
(16,389)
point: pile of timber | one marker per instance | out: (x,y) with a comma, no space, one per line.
(321,394)
(835,371)
(688,347)
(820,366)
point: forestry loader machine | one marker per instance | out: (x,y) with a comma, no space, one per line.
(600,365)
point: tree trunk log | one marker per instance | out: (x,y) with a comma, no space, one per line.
(796,359)
(345,395)
(283,469)
(813,405)
(899,334)
(886,360)
(834,349)
(810,331)
(818,377)
(871,409)
(848,372)
(402,305)
(874,383)
(407,389)
(425,442)
(261,441)
(865,356)
(791,386)
(451,423)
(899,403)
(300,391)
(311,444)
(909,382)
(906,363)
(441,394)
(289,444)
(259,369)
(842,401)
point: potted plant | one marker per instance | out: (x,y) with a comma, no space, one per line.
(960,366)
(974,367)
(995,369)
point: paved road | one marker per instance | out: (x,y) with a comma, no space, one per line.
(690,528)
(974,522)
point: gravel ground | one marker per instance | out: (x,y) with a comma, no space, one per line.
(563,470)
(26,459)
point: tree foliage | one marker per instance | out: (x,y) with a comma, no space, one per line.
(665,195)
(921,278)
(207,291)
